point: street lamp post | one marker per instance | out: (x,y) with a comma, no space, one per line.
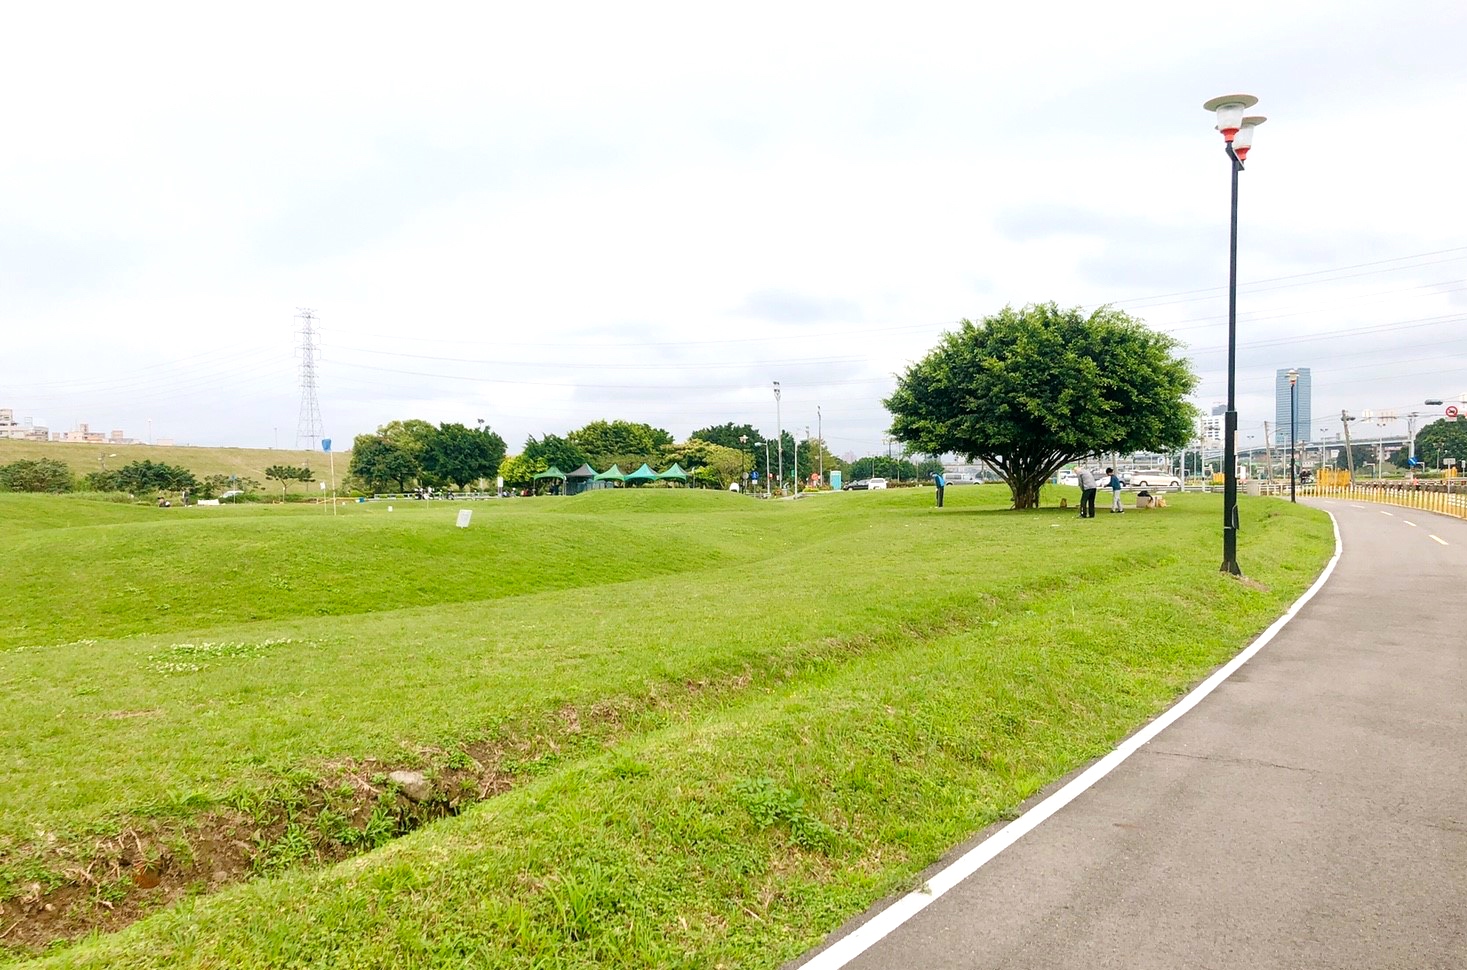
(1237,132)
(767,492)
(778,437)
(743,465)
(1293,449)
(820,436)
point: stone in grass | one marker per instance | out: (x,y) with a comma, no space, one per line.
(412,784)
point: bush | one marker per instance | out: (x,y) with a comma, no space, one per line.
(41,475)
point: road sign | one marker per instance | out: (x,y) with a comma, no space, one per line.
(1452,411)
(325,444)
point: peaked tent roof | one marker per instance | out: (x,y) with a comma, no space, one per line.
(643,474)
(612,474)
(551,472)
(674,472)
(585,471)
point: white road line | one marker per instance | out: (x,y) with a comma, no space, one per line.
(1384,512)
(1360,507)
(878,927)
(1409,522)
(1440,539)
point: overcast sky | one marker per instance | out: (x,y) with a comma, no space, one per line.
(546,214)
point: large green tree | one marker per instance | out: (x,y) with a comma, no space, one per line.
(728,434)
(154,476)
(1443,438)
(461,455)
(555,450)
(412,435)
(1029,390)
(377,461)
(617,441)
(712,465)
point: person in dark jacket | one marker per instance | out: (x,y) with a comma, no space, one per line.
(1087,494)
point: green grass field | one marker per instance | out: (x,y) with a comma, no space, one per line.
(242,462)
(663,728)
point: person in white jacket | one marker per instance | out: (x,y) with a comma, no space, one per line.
(1087,494)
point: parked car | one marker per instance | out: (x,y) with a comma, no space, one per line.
(875,483)
(1153,478)
(857,486)
(1069,478)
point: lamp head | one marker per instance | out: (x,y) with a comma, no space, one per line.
(1243,140)
(1229,109)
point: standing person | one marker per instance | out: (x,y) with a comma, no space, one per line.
(941,484)
(1115,490)
(1087,494)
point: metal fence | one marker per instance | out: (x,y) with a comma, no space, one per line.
(1447,496)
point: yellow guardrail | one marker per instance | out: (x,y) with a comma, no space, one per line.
(1447,496)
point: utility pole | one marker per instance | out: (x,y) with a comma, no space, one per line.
(779,437)
(797,463)
(1411,447)
(1349,452)
(1268,450)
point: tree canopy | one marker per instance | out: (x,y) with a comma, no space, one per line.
(1443,438)
(1029,390)
(460,455)
(555,450)
(377,461)
(604,442)
(39,475)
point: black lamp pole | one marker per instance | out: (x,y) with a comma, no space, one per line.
(1238,133)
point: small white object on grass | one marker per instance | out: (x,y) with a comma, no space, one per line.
(463,517)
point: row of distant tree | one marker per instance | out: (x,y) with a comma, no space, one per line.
(141,478)
(403,455)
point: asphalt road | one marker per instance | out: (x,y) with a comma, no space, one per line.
(1311,812)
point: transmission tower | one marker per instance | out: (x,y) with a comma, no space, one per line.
(309,428)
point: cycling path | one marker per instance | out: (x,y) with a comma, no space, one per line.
(1310,812)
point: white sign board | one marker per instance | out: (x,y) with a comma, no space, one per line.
(463,517)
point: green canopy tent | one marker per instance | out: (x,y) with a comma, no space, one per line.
(552,473)
(642,475)
(608,478)
(675,473)
(579,480)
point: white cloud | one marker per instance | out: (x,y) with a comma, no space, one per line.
(650,212)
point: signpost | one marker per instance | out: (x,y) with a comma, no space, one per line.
(326,447)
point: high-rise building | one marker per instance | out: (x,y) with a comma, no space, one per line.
(1302,421)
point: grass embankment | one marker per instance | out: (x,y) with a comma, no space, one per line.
(83,458)
(719,726)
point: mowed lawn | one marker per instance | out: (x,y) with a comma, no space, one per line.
(722,726)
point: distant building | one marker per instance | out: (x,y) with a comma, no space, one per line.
(1302,420)
(82,433)
(25,431)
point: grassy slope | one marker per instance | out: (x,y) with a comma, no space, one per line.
(244,462)
(907,675)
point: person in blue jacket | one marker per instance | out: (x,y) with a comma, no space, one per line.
(941,484)
(1115,484)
